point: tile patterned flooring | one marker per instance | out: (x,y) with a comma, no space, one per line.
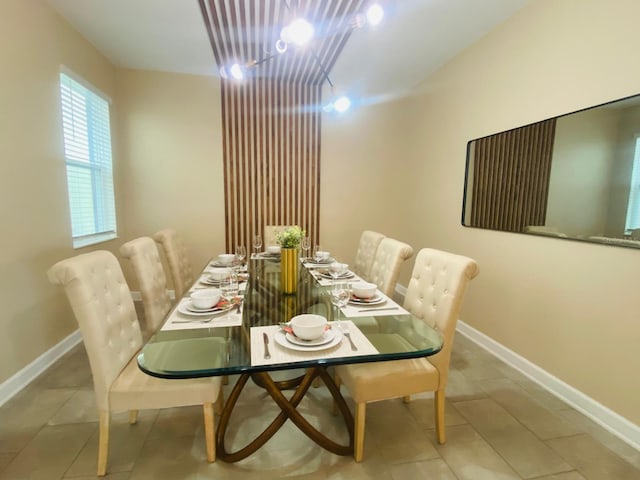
(500,426)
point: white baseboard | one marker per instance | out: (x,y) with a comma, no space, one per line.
(603,416)
(22,378)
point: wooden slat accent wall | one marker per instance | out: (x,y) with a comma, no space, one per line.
(511,178)
(271,148)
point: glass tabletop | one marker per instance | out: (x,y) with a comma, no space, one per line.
(217,351)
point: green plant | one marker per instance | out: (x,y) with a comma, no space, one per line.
(290,237)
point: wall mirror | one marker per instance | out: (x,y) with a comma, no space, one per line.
(576,176)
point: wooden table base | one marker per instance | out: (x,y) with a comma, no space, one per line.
(288,407)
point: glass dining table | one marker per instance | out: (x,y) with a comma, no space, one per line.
(378,334)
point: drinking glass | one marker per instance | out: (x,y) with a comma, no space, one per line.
(306,246)
(316,256)
(340,294)
(257,243)
(241,254)
(229,288)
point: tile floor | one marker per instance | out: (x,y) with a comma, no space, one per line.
(500,426)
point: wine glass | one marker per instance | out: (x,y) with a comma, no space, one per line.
(257,243)
(241,254)
(306,246)
(340,294)
(230,288)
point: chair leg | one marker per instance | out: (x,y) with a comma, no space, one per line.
(225,380)
(133,417)
(103,443)
(439,406)
(358,449)
(209,431)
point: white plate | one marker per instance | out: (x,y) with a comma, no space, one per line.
(340,277)
(219,264)
(211,281)
(281,340)
(187,309)
(325,338)
(376,300)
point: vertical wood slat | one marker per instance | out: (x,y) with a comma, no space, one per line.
(511,178)
(270,180)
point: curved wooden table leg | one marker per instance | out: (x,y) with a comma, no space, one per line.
(288,407)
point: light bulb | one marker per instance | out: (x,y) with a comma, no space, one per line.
(281,46)
(342,104)
(375,14)
(299,32)
(236,71)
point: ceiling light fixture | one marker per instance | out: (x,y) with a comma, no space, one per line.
(299,33)
(374,14)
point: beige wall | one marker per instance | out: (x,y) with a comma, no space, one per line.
(167,167)
(581,172)
(571,308)
(171,149)
(363,177)
(34,42)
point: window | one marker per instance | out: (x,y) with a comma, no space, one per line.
(633,209)
(87,151)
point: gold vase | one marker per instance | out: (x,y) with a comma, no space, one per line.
(289,269)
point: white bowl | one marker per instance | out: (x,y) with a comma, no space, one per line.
(338,267)
(364,289)
(273,249)
(226,258)
(308,326)
(206,298)
(322,255)
(220,274)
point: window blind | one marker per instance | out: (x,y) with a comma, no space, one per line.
(87,147)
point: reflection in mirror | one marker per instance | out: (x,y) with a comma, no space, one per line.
(576,176)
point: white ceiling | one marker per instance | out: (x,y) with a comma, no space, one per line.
(416,38)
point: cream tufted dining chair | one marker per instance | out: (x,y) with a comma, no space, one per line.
(177,256)
(152,282)
(385,268)
(434,295)
(102,304)
(367,248)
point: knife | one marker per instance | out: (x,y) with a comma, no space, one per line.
(265,340)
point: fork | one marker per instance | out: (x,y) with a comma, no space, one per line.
(346,333)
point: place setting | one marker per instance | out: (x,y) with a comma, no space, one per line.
(320,259)
(211,307)
(366,300)
(305,337)
(308,332)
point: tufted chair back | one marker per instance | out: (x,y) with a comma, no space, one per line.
(145,260)
(367,248)
(178,259)
(270,232)
(435,294)
(102,304)
(387,262)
